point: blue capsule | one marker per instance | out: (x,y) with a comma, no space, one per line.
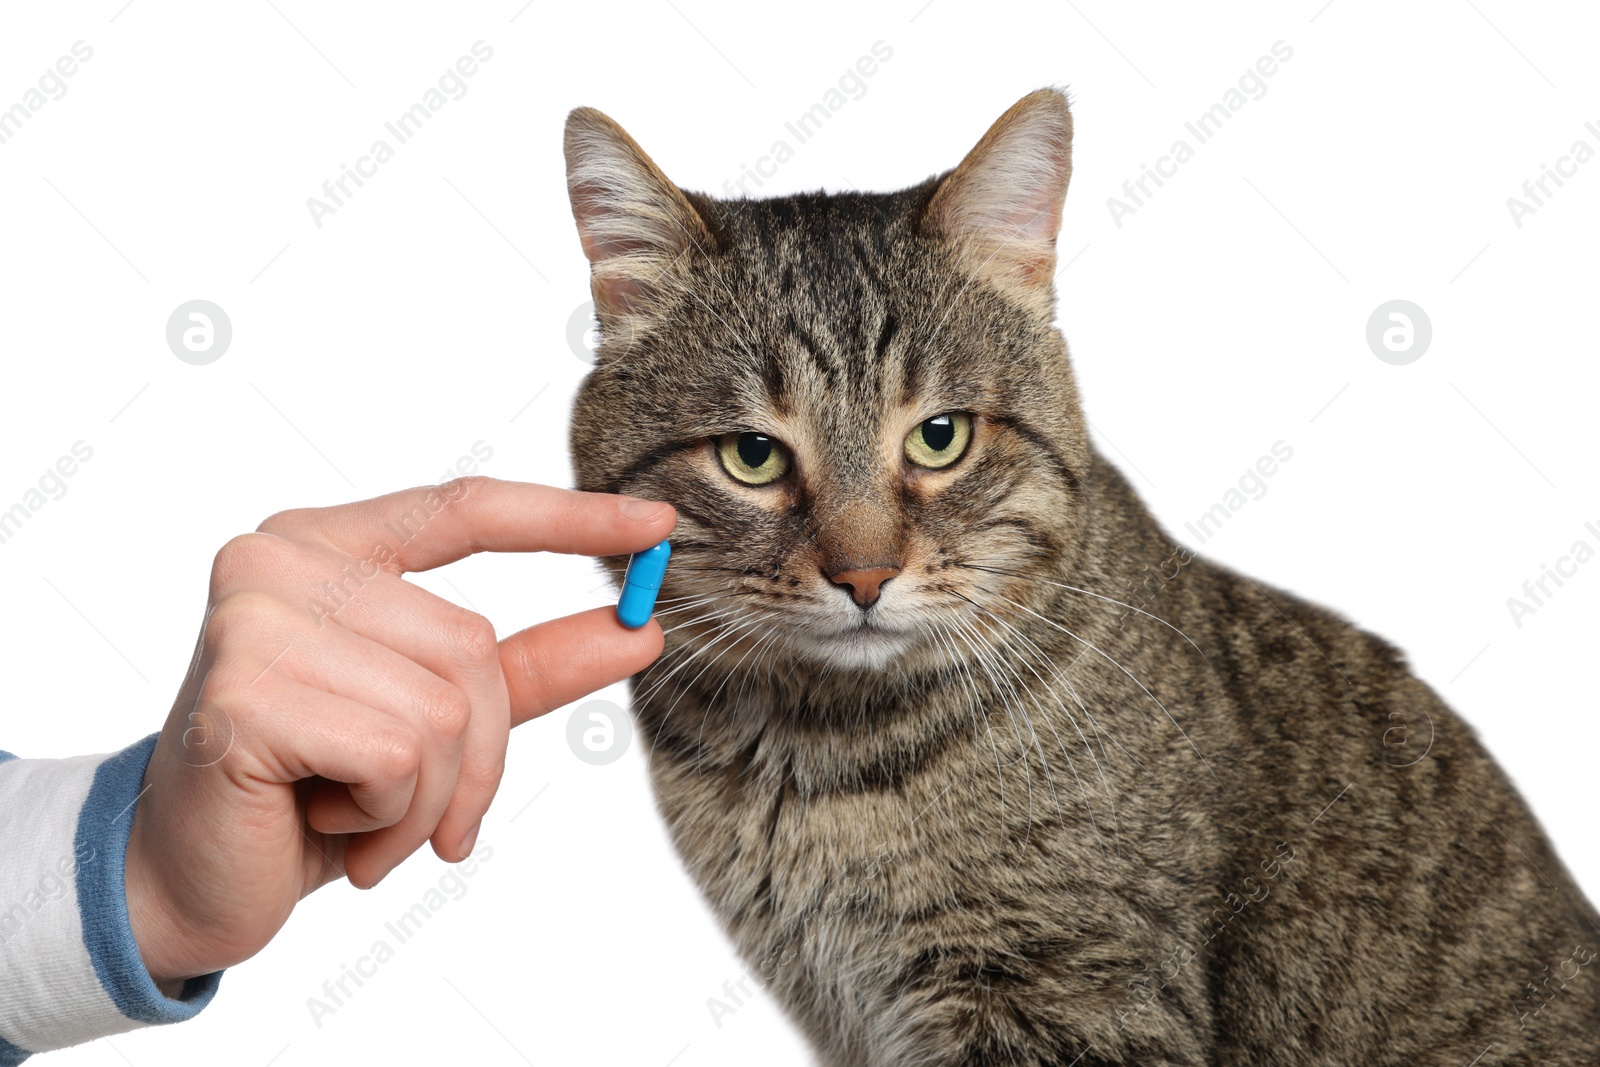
(640,585)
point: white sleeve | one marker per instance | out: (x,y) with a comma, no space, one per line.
(69,968)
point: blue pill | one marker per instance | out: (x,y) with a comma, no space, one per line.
(640,585)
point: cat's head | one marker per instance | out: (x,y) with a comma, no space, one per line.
(857,402)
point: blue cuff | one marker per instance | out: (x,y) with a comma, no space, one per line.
(103,828)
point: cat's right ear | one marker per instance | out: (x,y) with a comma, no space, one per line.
(637,227)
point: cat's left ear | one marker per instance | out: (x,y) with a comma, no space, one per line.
(1001,206)
(637,227)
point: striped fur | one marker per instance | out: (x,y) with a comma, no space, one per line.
(1067,794)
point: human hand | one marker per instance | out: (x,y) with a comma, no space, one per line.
(335,716)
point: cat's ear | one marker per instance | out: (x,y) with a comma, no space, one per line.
(637,227)
(1002,206)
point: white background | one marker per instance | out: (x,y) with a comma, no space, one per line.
(431,312)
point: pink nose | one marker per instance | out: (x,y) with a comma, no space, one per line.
(864,584)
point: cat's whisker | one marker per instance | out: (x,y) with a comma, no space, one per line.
(767,641)
(1083,789)
(763,617)
(736,632)
(1094,724)
(973,708)
(991,648)
(1009,698)
(706,568)
(1100,733)
(697,595)
(678,648)
(985,646)
(1113,661)
(711,616)
(1072,690)
(690,606)
(1100,596)
(761,642)
(716,635)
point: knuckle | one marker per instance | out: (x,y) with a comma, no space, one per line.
(244,557)
(286,523)
(228,700)
(448,710)
(243,618)
(473,640)
(482,771)
(396,755)
(526,660)
(463,488)
(223,685)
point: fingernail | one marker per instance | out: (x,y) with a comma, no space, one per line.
(471,839)
(643,510)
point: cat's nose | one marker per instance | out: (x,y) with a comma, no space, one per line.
(865,583)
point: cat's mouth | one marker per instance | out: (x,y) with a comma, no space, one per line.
(865,625)
(861,644)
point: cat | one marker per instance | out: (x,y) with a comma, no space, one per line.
(972,761)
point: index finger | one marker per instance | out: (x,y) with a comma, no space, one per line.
(429,526)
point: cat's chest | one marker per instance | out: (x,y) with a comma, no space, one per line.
(818,907)
(815,887)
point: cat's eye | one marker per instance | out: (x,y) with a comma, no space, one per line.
(939,441)
(753,458)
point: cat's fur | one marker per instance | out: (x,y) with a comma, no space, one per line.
(1099,801)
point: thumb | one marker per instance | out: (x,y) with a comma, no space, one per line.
(556,662)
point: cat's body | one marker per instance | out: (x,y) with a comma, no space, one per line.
(903,912)
(1058,792)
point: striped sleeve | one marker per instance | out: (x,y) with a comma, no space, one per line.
(69,968)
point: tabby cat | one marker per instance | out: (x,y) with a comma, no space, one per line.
(974,763)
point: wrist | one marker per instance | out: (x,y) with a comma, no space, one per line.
(150,916)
